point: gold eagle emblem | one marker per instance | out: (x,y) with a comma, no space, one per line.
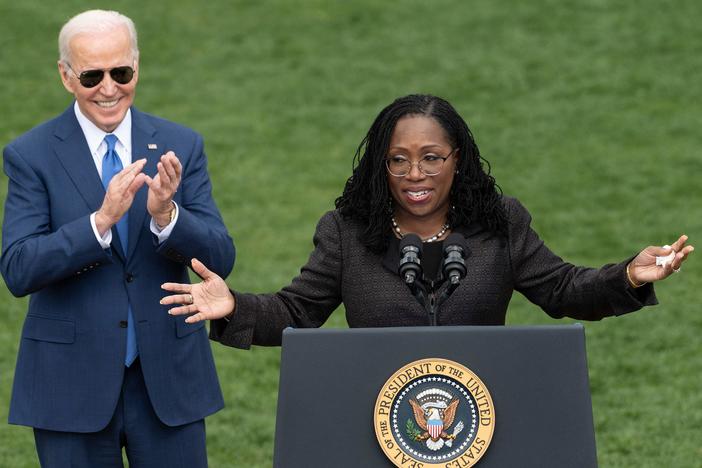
(434,419)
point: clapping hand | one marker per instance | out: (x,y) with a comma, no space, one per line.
(162,188)
(207,300)
(120,195)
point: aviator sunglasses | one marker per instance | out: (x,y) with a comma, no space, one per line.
(92,78)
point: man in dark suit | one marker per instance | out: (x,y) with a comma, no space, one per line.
(104,204)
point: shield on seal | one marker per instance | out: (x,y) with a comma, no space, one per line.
(435,427)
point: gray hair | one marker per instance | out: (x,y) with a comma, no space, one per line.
(94,21)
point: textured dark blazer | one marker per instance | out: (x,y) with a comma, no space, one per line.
(71,353)
(341,269)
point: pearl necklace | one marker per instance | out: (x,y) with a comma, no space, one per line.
(433,238)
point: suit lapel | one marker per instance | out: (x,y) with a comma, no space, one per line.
(144,145)
(73,153)
(391,259)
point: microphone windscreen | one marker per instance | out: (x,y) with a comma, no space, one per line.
(456,239)
(411,239)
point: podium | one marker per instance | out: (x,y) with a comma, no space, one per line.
(537,377)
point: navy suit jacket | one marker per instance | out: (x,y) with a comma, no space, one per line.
(71,356)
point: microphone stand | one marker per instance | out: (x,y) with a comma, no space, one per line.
(432,300)
(435,303)
(454,269)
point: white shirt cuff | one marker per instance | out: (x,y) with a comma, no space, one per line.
(163,234)
(105,240)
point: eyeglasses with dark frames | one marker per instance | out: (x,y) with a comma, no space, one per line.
(430,165)
(92,78)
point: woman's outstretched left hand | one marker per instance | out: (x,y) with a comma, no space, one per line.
(644,269)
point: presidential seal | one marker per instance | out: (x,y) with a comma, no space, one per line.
(434,413)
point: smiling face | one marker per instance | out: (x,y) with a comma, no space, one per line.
(421,201)
(107,103)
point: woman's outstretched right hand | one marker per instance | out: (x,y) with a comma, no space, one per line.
(207,300)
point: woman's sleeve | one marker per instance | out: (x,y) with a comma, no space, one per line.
(565,290)
(305,303)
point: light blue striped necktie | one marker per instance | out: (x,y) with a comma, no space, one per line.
(111,165)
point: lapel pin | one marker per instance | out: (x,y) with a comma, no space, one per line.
(152,146)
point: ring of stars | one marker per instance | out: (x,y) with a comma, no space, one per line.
(471,430)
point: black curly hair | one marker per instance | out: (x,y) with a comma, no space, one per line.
(475,197)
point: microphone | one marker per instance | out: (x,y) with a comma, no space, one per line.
(455,252)
(410,258)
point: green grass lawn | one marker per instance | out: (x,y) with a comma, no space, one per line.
(588,111)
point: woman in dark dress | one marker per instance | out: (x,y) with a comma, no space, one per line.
(418,170)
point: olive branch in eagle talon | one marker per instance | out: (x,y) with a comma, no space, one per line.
(412,431)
